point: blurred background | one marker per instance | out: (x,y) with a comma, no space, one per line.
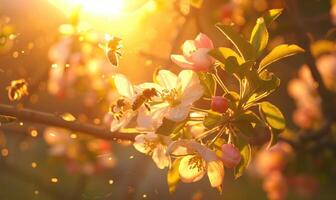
(55,46)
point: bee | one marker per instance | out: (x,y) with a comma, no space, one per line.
(143,98)
(112,49)
(118,109)
(17,89)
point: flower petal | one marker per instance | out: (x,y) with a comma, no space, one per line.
(188,47)
(141,87)
(190,87)
(159,157)
(167,79)
(178,113)
(203,41)
(124,87)
(123,121)
(140,142)
(151,120)
(202,60)
(182,61)
(215,171)
(189,173)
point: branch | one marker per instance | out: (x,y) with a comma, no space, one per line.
(325,94)
(53,120)
(304,39)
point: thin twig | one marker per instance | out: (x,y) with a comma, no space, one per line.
(48,119)
(325,94)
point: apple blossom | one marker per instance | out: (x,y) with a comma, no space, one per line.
(154,145)
(177,94)
(197,161)
(195,54)
(273,159)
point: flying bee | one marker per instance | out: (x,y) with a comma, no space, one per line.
(143,98)
(112,49)
(17,89)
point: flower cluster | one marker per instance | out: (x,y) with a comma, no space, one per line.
(303,89)
(191,122)
(78,63)
(271,165)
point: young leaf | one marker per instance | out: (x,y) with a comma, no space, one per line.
(245,152)
(173,176)
(244,48)
(208,83)
(223,53)
(260,83)
(271,15)
(196,3)
(272,115)
(169,127)
(259,35)
(278,53)
(6,119)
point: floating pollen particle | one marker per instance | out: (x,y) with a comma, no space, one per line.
(34,165)
(33,133)
(54,180)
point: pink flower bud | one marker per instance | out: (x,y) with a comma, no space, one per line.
(231,155)
(219,104)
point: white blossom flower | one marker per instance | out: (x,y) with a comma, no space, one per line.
(177,94)
(121,112)
(154,145)
(197,161)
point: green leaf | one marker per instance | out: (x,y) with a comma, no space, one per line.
(244,48)
(212,119)
(223,53)
(170,127)
(234,98)
(273,140)
(258,84)
(259,35)
(196,3)
(322,47)
(233,63)
(173,176)
(6,119)
(245,152)
(271,15)
(246,123)
(208,83)
(278,53)
(272,115)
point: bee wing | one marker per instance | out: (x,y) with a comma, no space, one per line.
(113,58)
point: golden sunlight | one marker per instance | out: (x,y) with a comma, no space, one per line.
(94,7)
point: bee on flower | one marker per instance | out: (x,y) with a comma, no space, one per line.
(176,96)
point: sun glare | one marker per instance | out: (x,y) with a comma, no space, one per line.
(105,8)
